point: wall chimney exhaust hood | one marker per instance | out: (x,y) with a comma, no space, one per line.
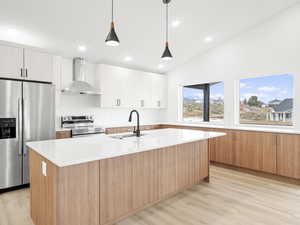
(79,84)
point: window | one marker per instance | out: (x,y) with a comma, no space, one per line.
(267,100)
(203,102)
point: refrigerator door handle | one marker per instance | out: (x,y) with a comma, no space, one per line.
(20,123)
(25,126)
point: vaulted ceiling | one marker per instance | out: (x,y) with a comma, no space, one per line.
(62,25)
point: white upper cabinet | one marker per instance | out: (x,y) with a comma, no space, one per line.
(142,90)
(159,91)
(125,88)
(114,85)
(11,62)
(26,64)
(66,74)
(38,66)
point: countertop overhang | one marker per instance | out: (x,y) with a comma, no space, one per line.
(72,151)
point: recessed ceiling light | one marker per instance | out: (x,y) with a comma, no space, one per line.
(128,58)
(176,23)
(208,39)
(81,48)
(160,66)
(12,31)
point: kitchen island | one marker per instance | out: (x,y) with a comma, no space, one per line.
(101,180)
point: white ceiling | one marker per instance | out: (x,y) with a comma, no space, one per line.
(62,25)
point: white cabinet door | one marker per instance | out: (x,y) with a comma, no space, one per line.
(66,72)
(142,90)
(11,62)
(39,65)
(114,86)
(159,91)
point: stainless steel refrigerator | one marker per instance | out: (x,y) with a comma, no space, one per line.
(27,113)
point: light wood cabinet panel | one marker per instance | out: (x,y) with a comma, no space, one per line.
(115,188)
(247,149)
(78,194)
(145,182)
(43,191)
(256,151)
(288,155)
(130,183)
(63,134)
(11,62)
(222,148)
(68,195)
(191,164)
(167,171)
(115,130)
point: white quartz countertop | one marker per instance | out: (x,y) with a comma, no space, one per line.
(258,128)
(72,151)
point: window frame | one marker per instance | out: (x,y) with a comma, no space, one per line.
(206,103)
(237,119)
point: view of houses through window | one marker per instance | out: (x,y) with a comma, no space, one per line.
(267,100)
(203,102)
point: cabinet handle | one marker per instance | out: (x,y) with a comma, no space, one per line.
(26,72)
(118,102)
(142,103)
(158,103)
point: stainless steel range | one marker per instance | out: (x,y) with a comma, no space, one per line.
(81,126)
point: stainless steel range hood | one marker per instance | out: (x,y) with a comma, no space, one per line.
(79,84)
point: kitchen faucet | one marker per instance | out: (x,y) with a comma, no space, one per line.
(137,131)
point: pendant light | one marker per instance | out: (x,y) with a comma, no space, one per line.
(112,38)
(167,53)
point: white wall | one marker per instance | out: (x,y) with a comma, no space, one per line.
(270,48)
(87,104)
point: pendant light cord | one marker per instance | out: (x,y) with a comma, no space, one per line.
(112,11)
(167,22)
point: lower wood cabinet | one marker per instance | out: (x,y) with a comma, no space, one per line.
(129,183)
(288,155)
(114,130)
(222,148)
(273,153)
(63,134)
(255,150)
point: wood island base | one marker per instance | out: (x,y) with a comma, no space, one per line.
(106,191)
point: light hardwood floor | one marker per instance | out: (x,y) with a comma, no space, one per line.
(231,198)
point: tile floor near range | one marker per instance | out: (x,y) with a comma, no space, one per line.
(231,198)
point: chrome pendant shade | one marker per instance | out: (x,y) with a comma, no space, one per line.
(112,37)
(167,55)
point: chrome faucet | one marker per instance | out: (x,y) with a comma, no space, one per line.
(137,131)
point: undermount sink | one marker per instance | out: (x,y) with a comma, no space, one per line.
(120,137)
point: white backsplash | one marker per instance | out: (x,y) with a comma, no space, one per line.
(90,105)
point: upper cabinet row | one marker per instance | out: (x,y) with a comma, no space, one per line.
(123,87)
(120,87)
(25,64)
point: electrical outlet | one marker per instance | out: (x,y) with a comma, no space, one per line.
(44,168)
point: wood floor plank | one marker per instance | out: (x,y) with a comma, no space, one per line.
(231,198)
